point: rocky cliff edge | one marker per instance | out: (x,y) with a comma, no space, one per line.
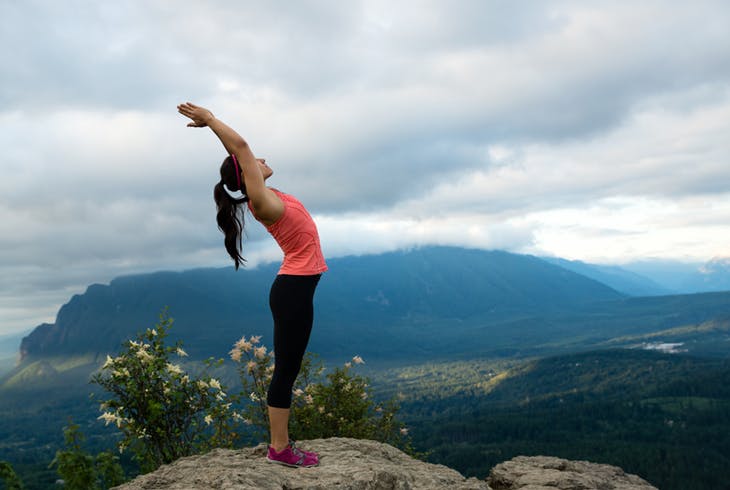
(355,464)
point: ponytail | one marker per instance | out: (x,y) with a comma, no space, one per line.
(230,215)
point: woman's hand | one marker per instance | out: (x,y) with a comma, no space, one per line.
(200,116)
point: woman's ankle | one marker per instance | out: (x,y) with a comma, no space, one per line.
(279,447)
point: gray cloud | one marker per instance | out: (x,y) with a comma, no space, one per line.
(479,123)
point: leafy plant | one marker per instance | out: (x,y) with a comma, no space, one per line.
(162,412)
(12,482)
(339,404)
(81,471)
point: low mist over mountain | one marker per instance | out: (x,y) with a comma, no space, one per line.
(685,278)
(618,278)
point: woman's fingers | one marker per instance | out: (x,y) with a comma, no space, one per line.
(196,113)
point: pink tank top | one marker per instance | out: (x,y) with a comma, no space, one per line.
(296,234)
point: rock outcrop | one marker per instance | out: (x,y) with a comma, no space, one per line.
(547,473)
(354,464)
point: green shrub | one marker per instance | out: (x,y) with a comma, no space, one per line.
(8,476)
(162,412)
(339,404)
(81,471)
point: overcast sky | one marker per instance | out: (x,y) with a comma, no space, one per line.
(596,131)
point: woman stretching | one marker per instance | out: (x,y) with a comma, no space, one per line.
(292,292)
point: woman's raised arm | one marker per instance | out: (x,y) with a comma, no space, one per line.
(267,205)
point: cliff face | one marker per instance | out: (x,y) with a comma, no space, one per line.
(354,464)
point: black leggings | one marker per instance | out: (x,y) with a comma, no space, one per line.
(291,302)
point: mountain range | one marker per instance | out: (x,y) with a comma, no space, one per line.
(418,304)
(360,302)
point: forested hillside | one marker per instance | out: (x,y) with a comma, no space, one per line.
(664,417)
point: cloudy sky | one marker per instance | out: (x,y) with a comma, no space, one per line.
(588,130)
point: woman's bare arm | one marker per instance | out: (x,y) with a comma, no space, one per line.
(267,205)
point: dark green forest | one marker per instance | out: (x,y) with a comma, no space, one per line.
(665,417)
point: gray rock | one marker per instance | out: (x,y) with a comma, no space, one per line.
(547,473)
(345,464)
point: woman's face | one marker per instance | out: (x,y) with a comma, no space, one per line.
(265,169)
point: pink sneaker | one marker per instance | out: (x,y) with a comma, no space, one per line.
(293,456)
(309,454)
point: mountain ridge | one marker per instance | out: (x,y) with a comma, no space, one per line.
(399,288)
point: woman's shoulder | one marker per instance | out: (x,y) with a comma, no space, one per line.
(283,195)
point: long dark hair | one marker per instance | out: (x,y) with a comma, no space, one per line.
(230,214)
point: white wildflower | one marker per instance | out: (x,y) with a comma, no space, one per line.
(251,366)
(320,409)
(254,397)
(174,368)
(144,356)
(260,352)
(153,332)
(208,419)
(348,364)
(255,339)
(236,354)
(379,409)
(202,385)
(358,360)
(243,345)
(181,352)
(247,421)
(107,417)
(185,379)
(308,399)
(109,362)
(214,383)
(404,431)
(364,395)
(298,392)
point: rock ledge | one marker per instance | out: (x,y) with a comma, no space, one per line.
(358,464)
(548,473)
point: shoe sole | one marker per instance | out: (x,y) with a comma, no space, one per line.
(289,464)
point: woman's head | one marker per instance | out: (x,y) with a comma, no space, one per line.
(230,215)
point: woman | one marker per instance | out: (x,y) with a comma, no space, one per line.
(292,292)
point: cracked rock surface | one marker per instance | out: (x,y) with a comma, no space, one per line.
(547,473)
(359,464)
(345,464)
